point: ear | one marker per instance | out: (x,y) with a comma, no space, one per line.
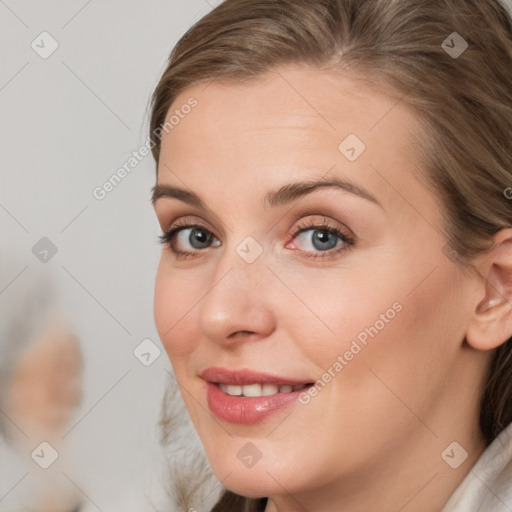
(491,323)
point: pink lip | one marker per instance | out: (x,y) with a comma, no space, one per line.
(246,410)
(242,377)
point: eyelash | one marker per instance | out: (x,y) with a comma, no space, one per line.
(169,236)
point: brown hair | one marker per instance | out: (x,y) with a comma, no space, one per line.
(402,47)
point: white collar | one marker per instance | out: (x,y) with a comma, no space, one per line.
(488,485)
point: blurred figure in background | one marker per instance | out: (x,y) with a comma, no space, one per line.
(40,389)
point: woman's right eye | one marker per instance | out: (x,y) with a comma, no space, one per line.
(194,234)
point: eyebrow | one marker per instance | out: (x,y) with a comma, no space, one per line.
(284,195)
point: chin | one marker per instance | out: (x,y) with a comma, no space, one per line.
(251,483)
(256,478)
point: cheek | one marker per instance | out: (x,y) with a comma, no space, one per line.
(393,320)
(337,311)
(174,300)
(398,343)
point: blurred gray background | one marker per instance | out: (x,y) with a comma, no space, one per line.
(75,81)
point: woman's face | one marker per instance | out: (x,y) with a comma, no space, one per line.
(344,285)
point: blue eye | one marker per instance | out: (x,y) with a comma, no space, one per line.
(198,237)
(321,239)
(325,240)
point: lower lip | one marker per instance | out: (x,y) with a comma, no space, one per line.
(246,410)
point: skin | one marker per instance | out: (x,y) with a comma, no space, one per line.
(372,438)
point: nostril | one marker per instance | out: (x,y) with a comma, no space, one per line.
(241,333)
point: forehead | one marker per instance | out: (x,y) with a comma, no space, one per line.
(303,89)
(296,102)
(292,121)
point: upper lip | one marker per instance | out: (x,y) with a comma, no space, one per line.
(244,376)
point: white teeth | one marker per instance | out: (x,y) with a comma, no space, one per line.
(251,390)
(255,390)
(269,389)
(231,390)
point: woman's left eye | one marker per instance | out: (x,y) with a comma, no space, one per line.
(324,239)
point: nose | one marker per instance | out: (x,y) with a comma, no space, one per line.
(238,304)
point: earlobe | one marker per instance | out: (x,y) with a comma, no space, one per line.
(491,323)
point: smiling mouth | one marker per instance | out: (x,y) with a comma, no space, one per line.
(258,390)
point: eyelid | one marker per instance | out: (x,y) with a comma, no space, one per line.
(325,220)
(175,211)
(186,221)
